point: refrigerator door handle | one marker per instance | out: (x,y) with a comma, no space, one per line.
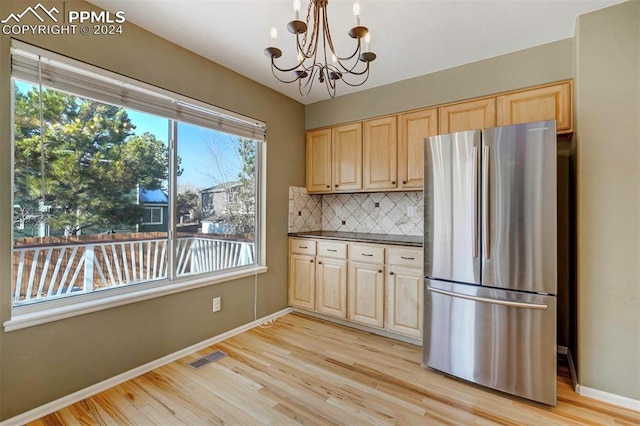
(475,201)
(485,200)
(487,300)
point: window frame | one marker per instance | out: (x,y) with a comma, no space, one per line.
(54,309)
(151,209)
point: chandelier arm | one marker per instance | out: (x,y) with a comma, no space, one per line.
(273,64)
(362,82)
(281,80)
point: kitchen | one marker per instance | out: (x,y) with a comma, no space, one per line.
(610,371)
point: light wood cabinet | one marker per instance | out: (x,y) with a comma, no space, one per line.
(331,284)
(413,128)
(366,294)
(380,149)
(318,160)
(477,114)
(347,157)
(544,103)
(404,301)
(302,290)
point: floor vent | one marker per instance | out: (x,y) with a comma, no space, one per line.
(207,359)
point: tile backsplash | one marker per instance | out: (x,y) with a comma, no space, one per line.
(399,213)
(305,210)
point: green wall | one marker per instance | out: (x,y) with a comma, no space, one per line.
(537,65)
(42,363)
(608,176)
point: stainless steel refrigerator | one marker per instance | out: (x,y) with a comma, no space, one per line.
(490,258)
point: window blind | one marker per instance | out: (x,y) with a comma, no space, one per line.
(37,65)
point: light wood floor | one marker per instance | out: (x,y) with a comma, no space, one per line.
(307,371)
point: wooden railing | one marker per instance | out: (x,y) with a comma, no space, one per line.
(50,271)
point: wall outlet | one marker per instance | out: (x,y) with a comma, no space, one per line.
(411,211)
(216,304)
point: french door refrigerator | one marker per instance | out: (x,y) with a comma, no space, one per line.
(490,258)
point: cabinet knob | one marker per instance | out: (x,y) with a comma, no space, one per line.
(404,182)
(390,272)
(328,186)
(336,185)
(311,261)
(393,182)
(379,271)
(319,263)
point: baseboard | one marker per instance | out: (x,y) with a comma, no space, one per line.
(65,401)
(372,330)
(610,398)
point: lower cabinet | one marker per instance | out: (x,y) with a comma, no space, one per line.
(375,285)
(405,288)
(366,294)
(331,285)
(302,290)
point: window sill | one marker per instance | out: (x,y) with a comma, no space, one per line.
(104,301)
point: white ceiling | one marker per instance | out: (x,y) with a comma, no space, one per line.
(410,38)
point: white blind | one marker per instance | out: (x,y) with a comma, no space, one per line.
(31,64)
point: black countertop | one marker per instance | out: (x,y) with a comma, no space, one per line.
(362,237)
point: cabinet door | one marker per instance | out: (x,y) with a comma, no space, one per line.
(347,157)
(404,301)
(318,161)
(366,294)
(380,152)
(479,114)
(331,284)
(302,281)
(414,127)
(545,103)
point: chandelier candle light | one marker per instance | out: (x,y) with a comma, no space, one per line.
(311,62)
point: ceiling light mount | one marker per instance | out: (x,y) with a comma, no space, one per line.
(316,54)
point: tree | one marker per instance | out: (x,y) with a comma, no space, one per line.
(240,209)
(92,163)
(188,200)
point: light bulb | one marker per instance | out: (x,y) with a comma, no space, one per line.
(356,9)
(334,59)
(300,56)
(367,42)
(296,9)
(274,35)
(356,12)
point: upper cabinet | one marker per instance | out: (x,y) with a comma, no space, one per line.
(544,103)
(478,114)
(386,154)
(380,147)
(334,159)
(414,127)
(347,157)
(318,164)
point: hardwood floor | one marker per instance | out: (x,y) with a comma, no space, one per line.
(306,371)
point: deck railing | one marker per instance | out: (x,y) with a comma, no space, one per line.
(44,272)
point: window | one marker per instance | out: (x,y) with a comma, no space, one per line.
(120,186)
(152,216)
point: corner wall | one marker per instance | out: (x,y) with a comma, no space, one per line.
(608,177)
(40,364)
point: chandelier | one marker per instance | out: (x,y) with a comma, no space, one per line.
(316,55)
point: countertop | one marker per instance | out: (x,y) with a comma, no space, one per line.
(362,237)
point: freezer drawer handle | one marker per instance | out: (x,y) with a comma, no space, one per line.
(486,300)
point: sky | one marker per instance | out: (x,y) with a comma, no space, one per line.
(202,168)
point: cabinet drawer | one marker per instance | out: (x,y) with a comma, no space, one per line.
(332,249)
(303,246)
(366,253)
(411,258)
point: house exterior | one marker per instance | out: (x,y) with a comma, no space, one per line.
(42,363)
(156,210)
